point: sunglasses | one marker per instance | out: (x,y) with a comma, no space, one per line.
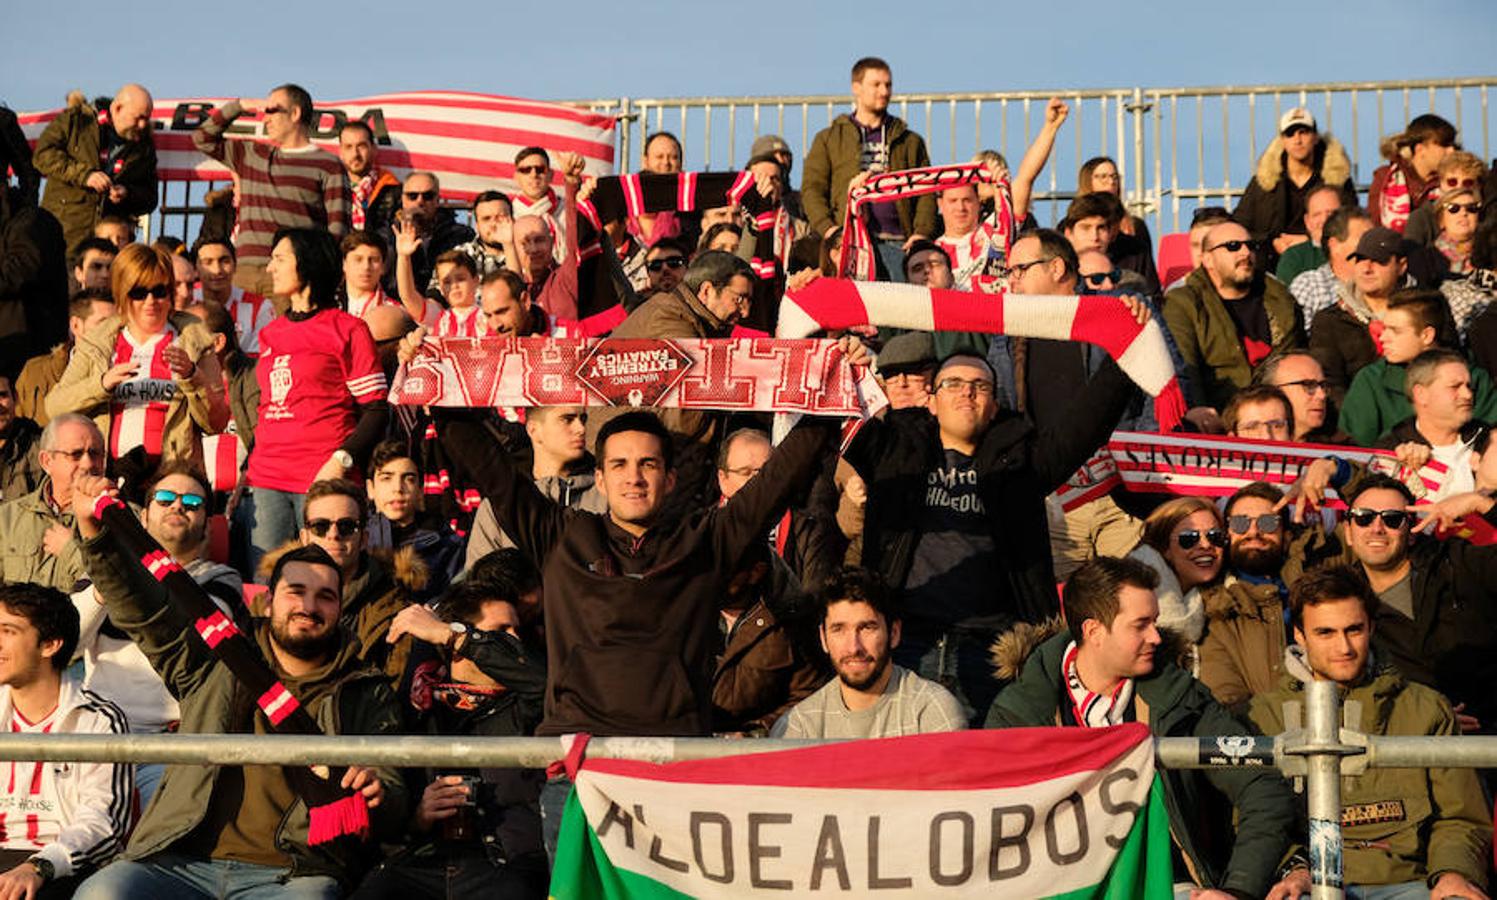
(420,195)
(1188,539)
(1234,246)
(274,110)
(1454,208)
(1362,517)
(1097,279)
(532,170)
(674,262)
(1460,182)
(190,502)
(1268,523)
(345,528)
(159,291)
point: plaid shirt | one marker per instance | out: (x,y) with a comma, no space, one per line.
(1468,296)
(1314,290)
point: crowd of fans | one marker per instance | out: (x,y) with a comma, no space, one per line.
(559,569)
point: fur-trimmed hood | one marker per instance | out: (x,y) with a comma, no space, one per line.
(1012,648)
(1331,161)
(405,566)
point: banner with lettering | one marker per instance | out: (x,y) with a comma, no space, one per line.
(469,140)
(810,377)
(1031,812)
(1216,466)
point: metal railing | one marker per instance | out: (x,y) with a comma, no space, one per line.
(1176,147)
(1321,753)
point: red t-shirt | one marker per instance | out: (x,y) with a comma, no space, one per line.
(312,375)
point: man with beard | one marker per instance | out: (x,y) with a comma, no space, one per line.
(213,829)
(1436,615)
(871,697)
(1243,652)
(374,191)
(1227,317)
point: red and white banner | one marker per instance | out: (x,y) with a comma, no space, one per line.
(1215,466)
(469,140)
(748,374)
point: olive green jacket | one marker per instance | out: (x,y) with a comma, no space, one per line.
(1398,825)
(68,152)
(836,156)
(23,524)
(1209,345)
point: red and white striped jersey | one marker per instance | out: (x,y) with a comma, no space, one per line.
(27,820)
(460,323)
(980,253)
(360,306)
(250,312)
(137,410)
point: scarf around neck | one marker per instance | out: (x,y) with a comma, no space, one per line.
(1094,710)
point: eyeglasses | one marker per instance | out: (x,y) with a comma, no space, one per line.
(1308,385)
(345,528)
(1234,246)
(1188,539)
(1472,208)
(190,502)
(420,195)
(1453,181)
(77,455)
(1270,424)
(670,262)
(159,291)
(1018,269)
(743,471)
(1268,523)
(1097,279)
(954,385)
(1362,517)
(532,170)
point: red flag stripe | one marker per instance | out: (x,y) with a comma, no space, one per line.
(277,703)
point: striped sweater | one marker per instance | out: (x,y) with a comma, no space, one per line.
(302,188)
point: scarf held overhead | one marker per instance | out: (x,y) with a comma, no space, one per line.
(747,374)
(857,245)
(836,303)
(335,812)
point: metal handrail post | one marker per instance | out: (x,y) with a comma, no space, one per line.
(624,117)
(1324,750)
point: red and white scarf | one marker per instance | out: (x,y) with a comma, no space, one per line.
(857,245)
(829,304)
(1094,710)
(362,192)
(361,306)
(466,323)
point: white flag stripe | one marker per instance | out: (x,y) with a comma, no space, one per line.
(778,833)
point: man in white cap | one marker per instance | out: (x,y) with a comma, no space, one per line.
(1298,161)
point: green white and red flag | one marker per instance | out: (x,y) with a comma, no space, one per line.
(1032,812)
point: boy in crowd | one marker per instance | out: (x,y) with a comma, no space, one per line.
(1378,399)
(397,519)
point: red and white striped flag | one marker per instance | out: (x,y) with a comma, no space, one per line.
(469,140)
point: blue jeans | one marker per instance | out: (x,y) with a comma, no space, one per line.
(265,520)
(174,875)
(956,660)
(147,779)
(553,804)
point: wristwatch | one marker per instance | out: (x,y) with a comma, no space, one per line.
(457,629)
(343,458)
(44,868)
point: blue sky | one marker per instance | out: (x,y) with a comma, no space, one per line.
(670,48)
(675,48)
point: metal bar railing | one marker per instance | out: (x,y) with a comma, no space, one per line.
(1322,753)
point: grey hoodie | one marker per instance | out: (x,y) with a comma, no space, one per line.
(576,491)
